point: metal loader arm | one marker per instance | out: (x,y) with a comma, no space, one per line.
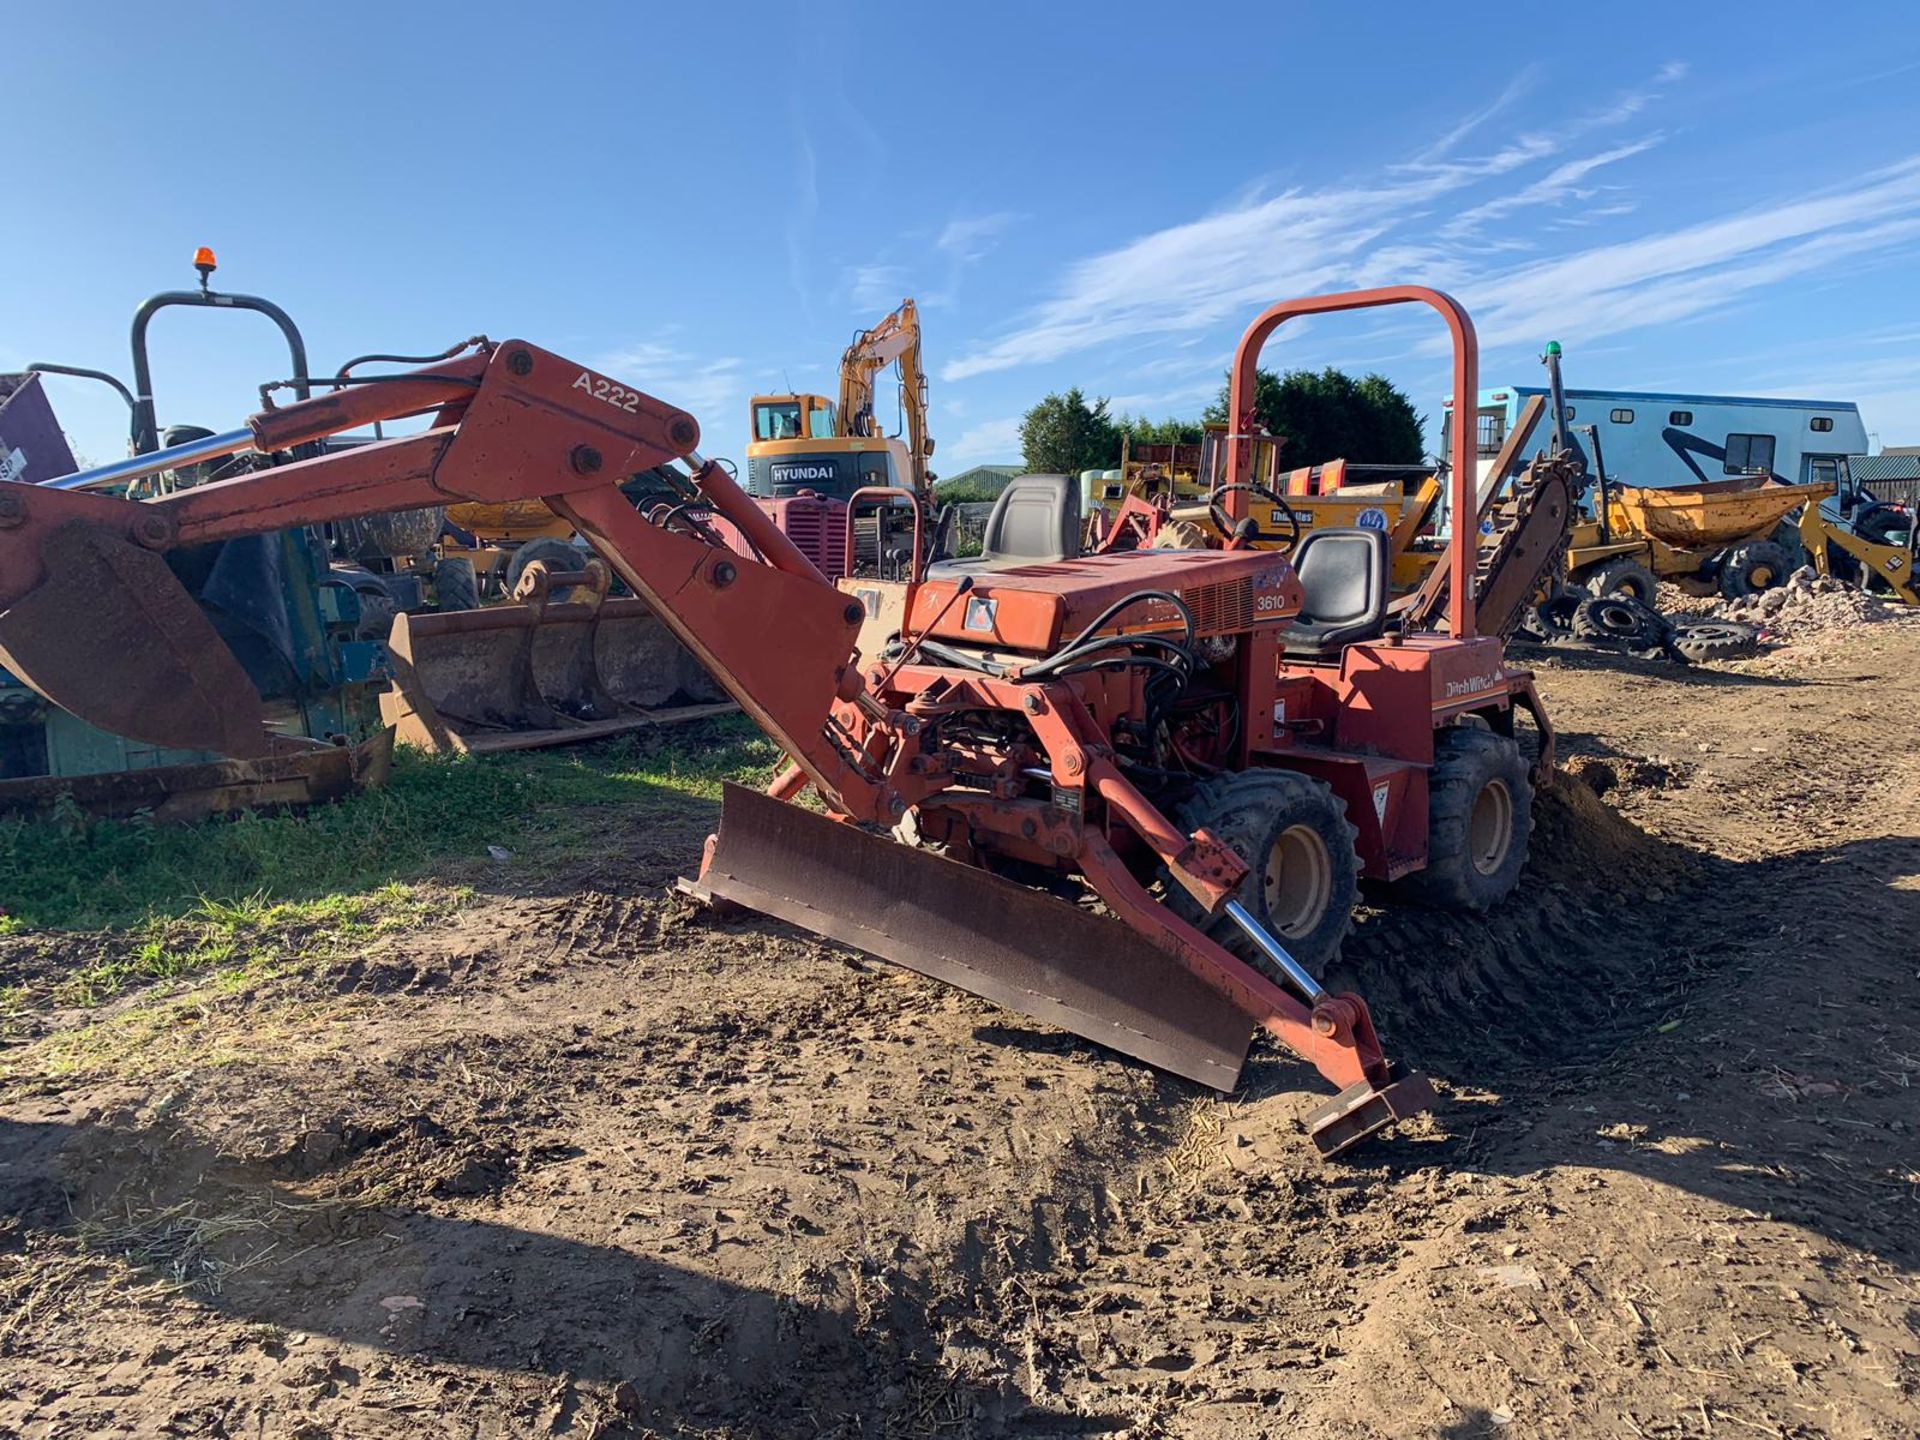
(92,617)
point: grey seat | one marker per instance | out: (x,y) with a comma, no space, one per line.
(1344,573)
(1035,520)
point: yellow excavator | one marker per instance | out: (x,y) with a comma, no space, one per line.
(854,499)
(806,442)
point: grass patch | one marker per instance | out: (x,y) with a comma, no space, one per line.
(72,873)
(191,1031)
(232,951)
(250,938)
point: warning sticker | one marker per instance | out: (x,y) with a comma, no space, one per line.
(1380,802)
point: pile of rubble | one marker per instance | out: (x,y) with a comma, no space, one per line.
(1808,604)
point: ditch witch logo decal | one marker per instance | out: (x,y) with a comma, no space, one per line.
(1474,684)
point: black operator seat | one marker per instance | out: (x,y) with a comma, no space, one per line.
(1035,521)
(1344,573)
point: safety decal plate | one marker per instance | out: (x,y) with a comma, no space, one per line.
(982,614)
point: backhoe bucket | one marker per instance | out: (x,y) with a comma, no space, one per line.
(514,677)
(1021,949)
(112,636)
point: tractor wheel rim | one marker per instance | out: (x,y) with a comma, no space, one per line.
(1490,827)
(1761,576)
(1298,881)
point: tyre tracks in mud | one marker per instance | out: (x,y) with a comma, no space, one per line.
(647,1172)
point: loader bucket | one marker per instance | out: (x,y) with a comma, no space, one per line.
(520,676)
(1035,955)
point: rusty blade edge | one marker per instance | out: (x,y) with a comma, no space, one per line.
(1023,950)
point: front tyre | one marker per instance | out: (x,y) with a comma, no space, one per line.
(1303,873)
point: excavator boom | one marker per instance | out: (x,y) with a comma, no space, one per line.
(511,423)
(895,340)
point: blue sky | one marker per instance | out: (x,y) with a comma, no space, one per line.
(707,201)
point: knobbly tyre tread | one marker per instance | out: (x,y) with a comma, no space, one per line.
(1621,575)
(1465,758)
(1717,640)
(1232,808)
(456,586)
(1621,620)
(1743,560)
(388,536)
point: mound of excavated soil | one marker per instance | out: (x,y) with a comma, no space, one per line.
(1547,966)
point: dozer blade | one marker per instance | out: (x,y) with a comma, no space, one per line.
(519,676)
(112,636)
(1032,954)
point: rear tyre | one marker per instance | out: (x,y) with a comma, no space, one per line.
(399,534)
(1479,820)
(554,554)
(1755,566)
(1303,871)
(456,586)
(1621,576)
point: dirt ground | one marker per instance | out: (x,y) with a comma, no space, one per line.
(586,1163)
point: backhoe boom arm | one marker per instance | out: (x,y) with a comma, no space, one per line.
(514,422)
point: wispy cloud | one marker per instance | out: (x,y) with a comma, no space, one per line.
(1184,281)
(1661,278)
(926,267)
(933,273)
(874,287)
(970,237)
(1624,106)
(1516,89)
(711,389)
(1558,184)
(991,442)
(805,208)
(1188,278)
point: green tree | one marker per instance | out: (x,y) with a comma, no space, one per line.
(1065,434)
(1160,432)
(1328,415)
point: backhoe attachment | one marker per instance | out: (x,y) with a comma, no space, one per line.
(92,617)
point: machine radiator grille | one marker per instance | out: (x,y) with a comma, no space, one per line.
(818,528)
(1221,609)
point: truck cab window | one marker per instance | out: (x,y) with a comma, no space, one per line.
(778,421)
(1493,431)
